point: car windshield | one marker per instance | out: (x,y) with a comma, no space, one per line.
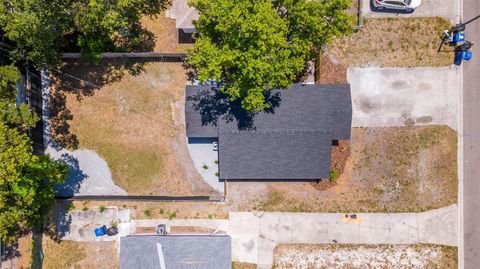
(408,2)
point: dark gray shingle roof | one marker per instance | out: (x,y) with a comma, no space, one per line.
(179,252)
(291,140)
(274,155)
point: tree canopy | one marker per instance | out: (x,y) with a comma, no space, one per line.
(26,183)
(252,46)
(26,180)
(40,29)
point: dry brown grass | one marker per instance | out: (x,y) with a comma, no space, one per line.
(70,254)
(163,210)
(165,32)
(383,256)
(405,42)
(135,122)
(407,169)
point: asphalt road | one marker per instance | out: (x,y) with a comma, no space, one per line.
(471,131)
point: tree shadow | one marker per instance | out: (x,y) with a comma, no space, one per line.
(213,105)
(82,79)
(74,179)
(138,39)
(59,221)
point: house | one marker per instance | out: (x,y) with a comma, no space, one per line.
(175,251)
(291,140)
(184,17)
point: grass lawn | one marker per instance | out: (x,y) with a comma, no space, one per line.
(392,42)
(394,169)
(134,120)
(70,254)
(359,256)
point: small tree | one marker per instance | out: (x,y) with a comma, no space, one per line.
(252,46)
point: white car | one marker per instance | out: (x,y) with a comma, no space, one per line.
(404,5)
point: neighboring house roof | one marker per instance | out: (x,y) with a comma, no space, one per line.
(290,140)
(175,251)
(183,15)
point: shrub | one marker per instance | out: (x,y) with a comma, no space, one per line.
(103,209)
(148,213)
(205,166)
(334,174)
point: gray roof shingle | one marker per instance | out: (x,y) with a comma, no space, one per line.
(274,155)
(179,252)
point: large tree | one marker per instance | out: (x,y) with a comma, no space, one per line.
(40,29)
(26,180)
(252,46)
(26,183)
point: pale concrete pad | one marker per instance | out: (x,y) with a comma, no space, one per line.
(436,226)
(448,9)
(220,226)
(404,96)
(244,229)
(203,154)
(79,225)
(403,228)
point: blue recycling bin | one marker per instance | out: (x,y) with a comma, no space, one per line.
(101,231)
(457,38)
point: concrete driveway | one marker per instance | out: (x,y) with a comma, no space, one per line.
(448,9)
(205,160)
(404,96)
(256,234)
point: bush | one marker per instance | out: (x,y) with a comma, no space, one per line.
(334,174)
(148,213)
(205,166)
(103,209)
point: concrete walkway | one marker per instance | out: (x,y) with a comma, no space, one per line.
(88,172)
(404,96)
(255,235)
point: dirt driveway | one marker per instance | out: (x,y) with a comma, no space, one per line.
(448,9)
(404,96)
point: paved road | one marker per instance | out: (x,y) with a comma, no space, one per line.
(255,235)
(471,135)
(404,96)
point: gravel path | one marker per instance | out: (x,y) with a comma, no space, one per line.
(89,173)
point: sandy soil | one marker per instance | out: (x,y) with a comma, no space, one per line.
(373,256)
(389,170)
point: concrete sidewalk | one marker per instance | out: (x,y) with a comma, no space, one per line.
(255,235)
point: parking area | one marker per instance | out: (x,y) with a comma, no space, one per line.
(404,96)
(448,9)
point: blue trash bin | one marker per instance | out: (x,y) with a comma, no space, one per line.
(101,231)
(467,56)
(458,57)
